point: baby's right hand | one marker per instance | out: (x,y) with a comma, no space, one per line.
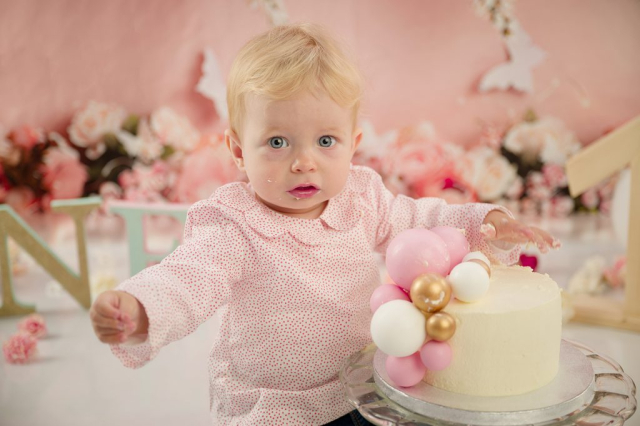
(117,315)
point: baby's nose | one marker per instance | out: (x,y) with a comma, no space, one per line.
(303,163)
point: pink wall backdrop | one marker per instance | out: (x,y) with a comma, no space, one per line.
(422,59)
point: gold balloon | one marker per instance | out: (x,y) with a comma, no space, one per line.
(483,264)
(430,293)
(441,326)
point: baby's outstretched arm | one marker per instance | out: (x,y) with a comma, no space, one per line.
(116,316)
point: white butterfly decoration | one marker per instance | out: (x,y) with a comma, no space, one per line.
(517,73)
(274,9)
(211,84)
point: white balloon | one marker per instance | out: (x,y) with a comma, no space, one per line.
(620,206)
(476,255)
(469,281)
(398,328)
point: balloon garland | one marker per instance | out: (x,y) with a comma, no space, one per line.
(409,323)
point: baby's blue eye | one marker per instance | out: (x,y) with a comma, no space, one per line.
(277,142)
(326,141)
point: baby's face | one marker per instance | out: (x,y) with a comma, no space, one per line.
(296,152)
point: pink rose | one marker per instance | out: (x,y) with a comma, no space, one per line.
(554,175)
(446,184)
(26,137)
(22,200)
(562,206)
(34,325)
(63,175)
(590,199)
(20,348)
(203,171)
(616,274)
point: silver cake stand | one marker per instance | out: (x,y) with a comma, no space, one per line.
(590,389)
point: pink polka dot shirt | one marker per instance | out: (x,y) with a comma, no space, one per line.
(292,294)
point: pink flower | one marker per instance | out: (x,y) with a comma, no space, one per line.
(446,184)
(20,348)
(203,171)
(34,325)
(26,137)
(89,126)
(590,198)
(616,274)
(562,206)
(554,175)
(22,200)
(537,187)
(63,175)
(530,261)
(491,137)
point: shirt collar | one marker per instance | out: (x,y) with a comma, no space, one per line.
(342,213)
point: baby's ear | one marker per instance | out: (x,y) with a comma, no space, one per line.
(357,138)
(232,141)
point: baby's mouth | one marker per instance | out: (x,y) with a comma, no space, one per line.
(306,190)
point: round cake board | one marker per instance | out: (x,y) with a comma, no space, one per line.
(570,391)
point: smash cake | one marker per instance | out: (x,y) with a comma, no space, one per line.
(457,323)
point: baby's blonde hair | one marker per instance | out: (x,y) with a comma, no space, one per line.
(289,59)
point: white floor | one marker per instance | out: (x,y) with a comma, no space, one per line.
(76,380)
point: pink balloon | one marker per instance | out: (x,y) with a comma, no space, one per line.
(405,371)
(414,252)
(385,293)
(436,355)
(457,244)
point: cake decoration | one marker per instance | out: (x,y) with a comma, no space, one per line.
(412,329)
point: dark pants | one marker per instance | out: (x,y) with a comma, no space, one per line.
(353,418)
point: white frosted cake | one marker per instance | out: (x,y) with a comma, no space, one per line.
(508,342)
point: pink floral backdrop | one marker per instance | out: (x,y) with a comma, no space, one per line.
(164,158)
(94,103)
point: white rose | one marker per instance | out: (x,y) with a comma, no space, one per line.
(588,279)
(547,139)
(90,125)
(490,174)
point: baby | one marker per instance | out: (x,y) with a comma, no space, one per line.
(288,260)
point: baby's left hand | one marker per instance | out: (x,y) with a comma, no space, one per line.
(499,227)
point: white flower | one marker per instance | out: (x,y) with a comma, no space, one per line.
(144,145)
(546,139)
(174,130)
(63,145)
(101,282)
(490,174)
(89,126)
(374,145)
(588,279)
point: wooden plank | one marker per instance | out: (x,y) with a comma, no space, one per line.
(603,157)
(632,284)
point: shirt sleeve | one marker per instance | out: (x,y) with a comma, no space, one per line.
(398,213)
(184,289)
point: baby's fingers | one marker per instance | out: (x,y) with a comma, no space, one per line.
(107,323)
(112,338)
